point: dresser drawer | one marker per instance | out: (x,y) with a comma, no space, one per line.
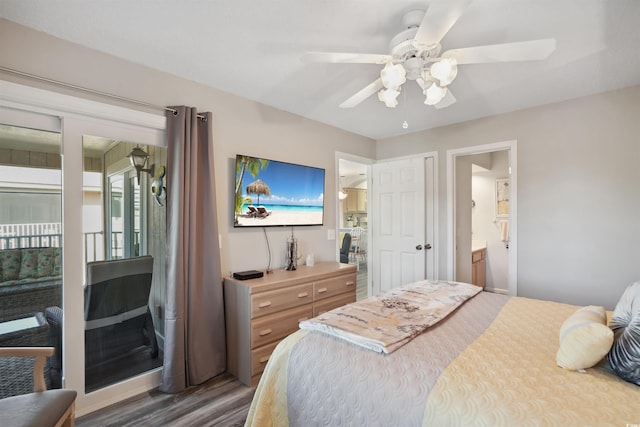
(271,302)
(260,357)
(329,304)
(277,326)
(330,287)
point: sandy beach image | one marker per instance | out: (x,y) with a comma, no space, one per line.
(275,217)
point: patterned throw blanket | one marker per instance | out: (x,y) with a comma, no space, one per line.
(385,322)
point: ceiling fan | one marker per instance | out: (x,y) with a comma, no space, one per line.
(416,55)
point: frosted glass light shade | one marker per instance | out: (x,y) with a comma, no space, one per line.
(389,97)
(444,70)
(393,76)
(434,94)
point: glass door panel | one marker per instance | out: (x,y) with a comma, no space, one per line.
(124,292)
(30,246)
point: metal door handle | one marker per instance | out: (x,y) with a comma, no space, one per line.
(427,246)
(419,247)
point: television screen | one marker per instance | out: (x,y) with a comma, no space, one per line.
(273,193)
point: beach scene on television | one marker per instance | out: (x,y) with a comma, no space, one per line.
(273,193)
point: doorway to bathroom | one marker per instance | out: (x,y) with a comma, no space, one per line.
(482,221)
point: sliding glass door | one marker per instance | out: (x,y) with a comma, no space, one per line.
(70,197)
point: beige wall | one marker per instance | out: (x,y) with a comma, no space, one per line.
(578,197)
(578,171)
(240,126)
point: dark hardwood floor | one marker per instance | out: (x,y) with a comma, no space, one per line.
(221,401)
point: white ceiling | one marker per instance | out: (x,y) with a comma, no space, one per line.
(253,48)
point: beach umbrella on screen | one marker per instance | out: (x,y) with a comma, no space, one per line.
(258,187)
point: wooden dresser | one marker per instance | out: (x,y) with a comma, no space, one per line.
(261,312)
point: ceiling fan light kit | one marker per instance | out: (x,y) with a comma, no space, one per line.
(389,97)
(434,94)
(415,55)
(393,76)
(444,70)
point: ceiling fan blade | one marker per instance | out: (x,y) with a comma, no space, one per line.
(518,51)
(446,101)
(362,94)
(344,57)
(437,21)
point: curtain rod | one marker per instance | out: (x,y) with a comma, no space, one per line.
(92,91)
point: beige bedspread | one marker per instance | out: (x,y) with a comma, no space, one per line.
(491,363)
(509,377)
(313,379)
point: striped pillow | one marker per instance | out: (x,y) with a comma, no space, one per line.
(585,338)
(624,357)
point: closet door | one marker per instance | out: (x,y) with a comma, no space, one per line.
(403,211)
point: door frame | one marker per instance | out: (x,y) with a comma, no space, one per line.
(510,146)
(367,162)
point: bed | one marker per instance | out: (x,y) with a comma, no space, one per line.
(491,362)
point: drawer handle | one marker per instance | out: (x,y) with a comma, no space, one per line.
(264,304)
(265,332)
(350,283)
(322,290)
(264,359)
(303,294)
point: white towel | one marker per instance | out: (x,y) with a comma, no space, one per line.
(504,231)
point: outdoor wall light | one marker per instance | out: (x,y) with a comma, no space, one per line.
(139,159)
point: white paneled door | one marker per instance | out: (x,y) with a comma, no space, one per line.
(403,208)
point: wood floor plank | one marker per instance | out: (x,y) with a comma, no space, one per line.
(221,401)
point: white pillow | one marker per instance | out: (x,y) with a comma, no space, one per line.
(585,338)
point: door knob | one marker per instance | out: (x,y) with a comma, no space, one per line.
(419,247)
(427,246)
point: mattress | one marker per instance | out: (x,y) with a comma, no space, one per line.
(491,362)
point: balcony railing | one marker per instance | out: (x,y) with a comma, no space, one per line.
(14,236)
(30,235)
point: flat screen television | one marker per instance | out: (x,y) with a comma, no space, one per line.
(270,193)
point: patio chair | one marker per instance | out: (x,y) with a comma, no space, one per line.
(16,372)
(42,407)
(118,321)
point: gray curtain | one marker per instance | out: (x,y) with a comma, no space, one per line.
(194,349)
